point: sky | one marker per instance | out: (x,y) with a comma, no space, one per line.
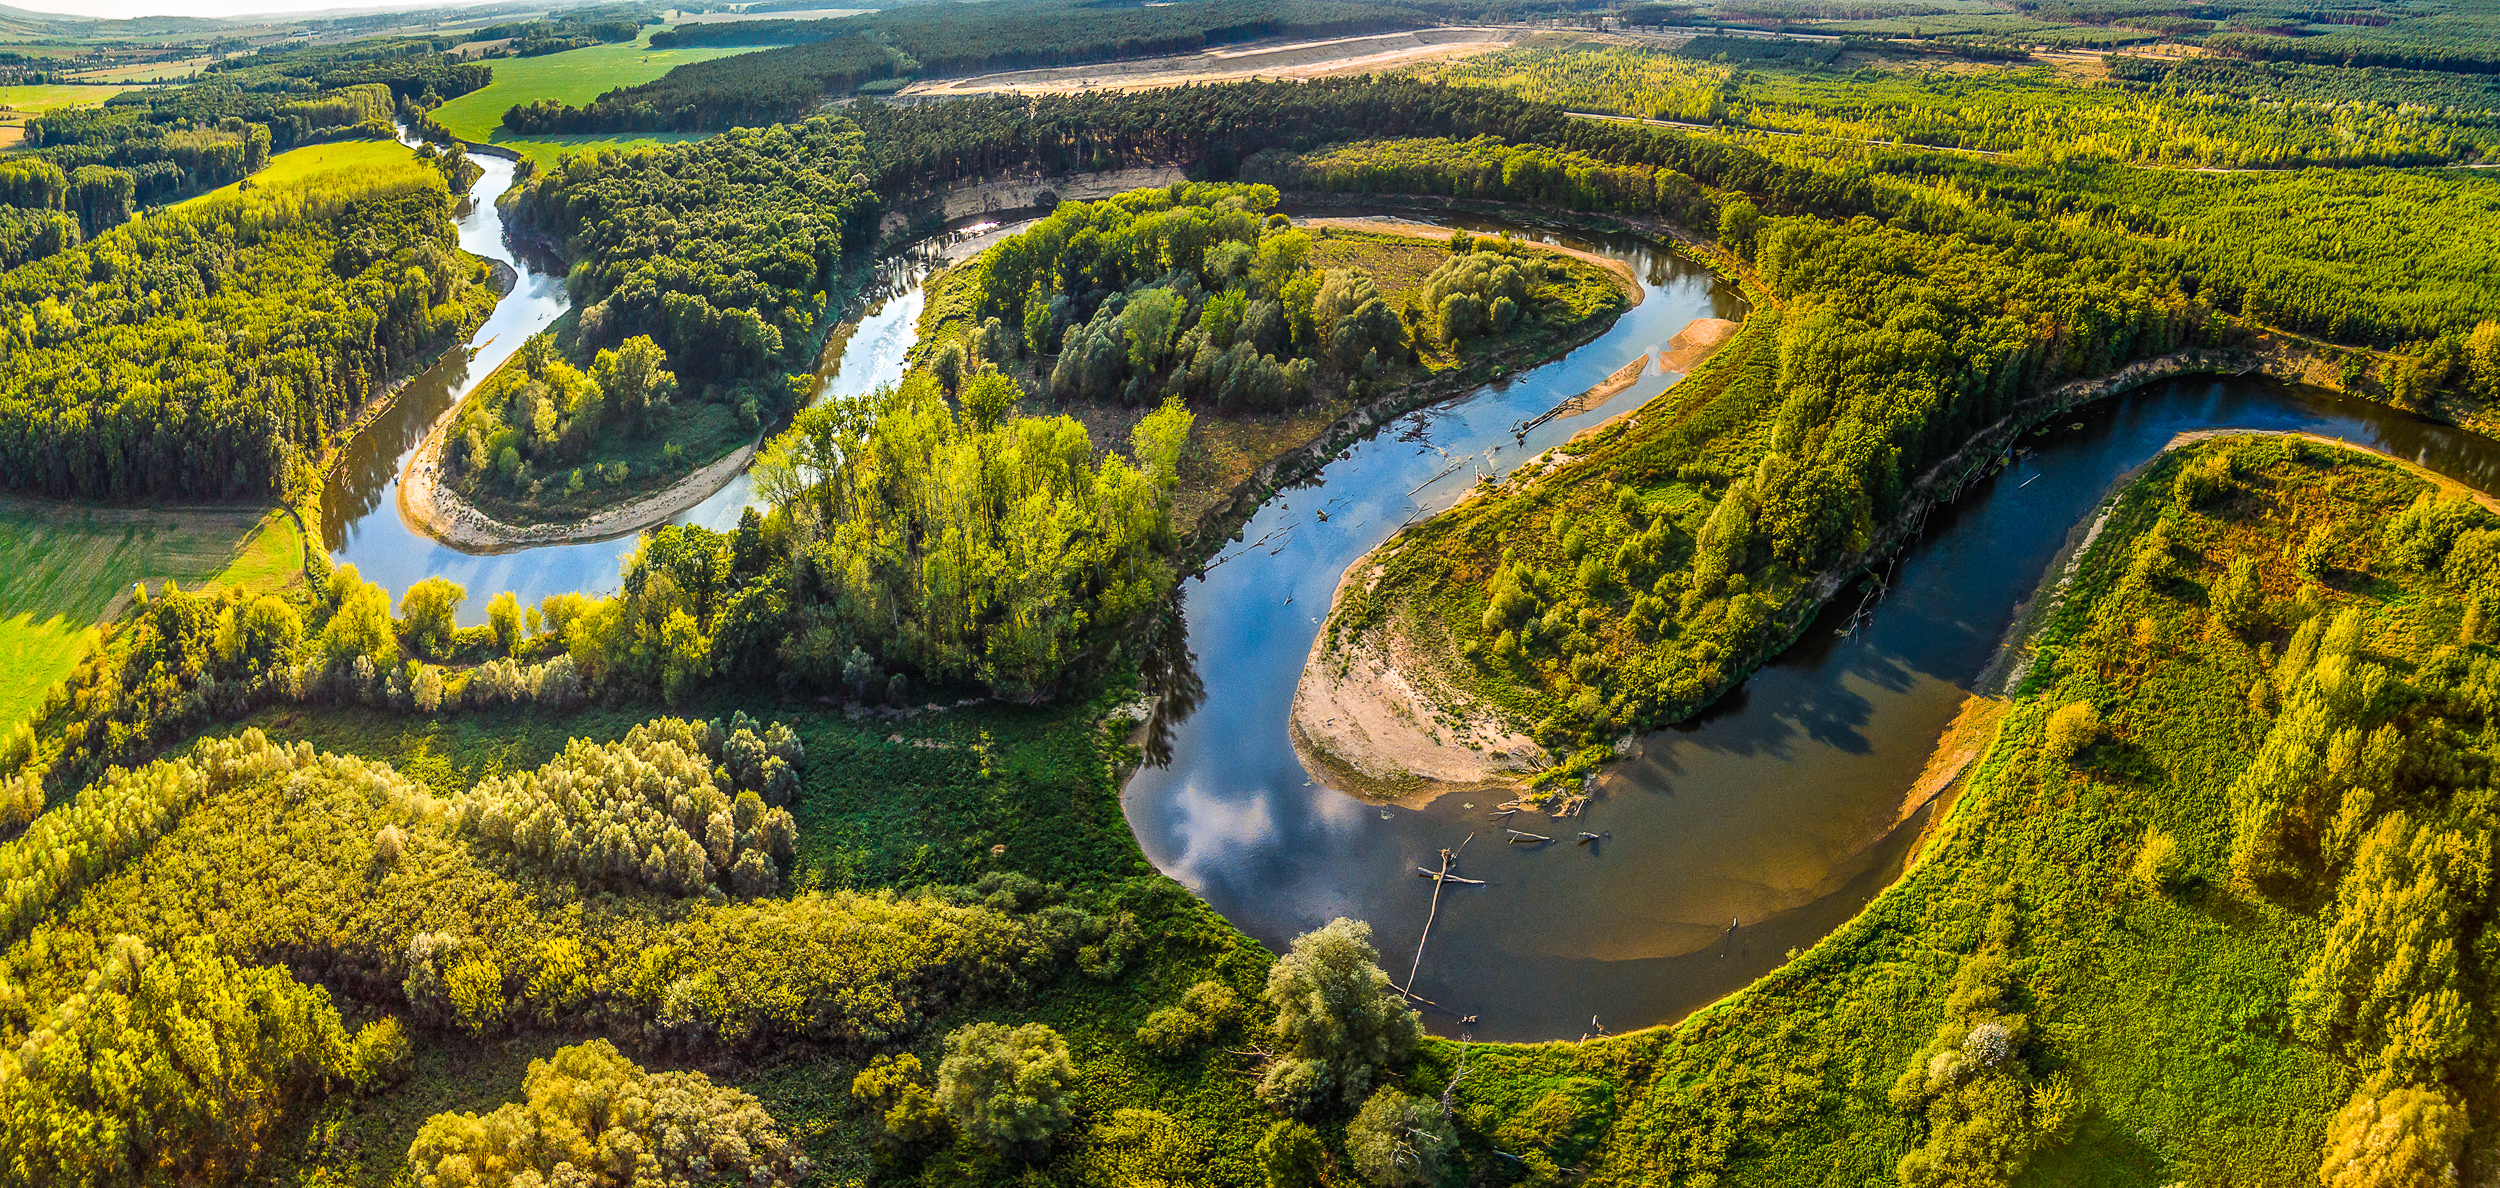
(117,9)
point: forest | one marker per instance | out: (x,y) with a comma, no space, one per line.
(203,353)
(799,856)
(1197,293)
(2031,111)
(712,268)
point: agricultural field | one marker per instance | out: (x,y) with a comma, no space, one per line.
(65,569)
(573,77)
(18,103)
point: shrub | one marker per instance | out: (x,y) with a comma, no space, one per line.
(1207,1008)
(2201,481)
(594,1119)
(2393,1138)
(1142,1148)
(1007,1086)
(2158,864)
(2239,596)
(1290,1154)
(2071,729)
(891,1086)
(503,614)
(1401,1141)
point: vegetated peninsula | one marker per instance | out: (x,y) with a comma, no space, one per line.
(1273,333)
(705,283)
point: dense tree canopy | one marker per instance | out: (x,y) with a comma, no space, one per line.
(194,355)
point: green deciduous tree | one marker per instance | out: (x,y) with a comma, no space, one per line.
(427,615)
(2396,1137)
(2071,729)
(1340,1022)
(1400,1140)
(1007,1086)
(586,1105)
(895,1089)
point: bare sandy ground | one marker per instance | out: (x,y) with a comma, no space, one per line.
(1269,60)
(434,509)
(1361,722)
(1694,342)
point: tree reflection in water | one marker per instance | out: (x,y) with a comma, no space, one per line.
(1169,673)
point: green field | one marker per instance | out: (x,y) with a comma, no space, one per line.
(65,569)
(35,100)
(322,163)
(573,77)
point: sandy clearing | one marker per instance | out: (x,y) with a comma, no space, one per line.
(1269,60)
(1695,341)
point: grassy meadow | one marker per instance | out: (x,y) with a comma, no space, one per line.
(17,104)
(64,569)
(35,100)
(321,165)
(572,77)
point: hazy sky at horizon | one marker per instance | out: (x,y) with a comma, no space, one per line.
(122,9)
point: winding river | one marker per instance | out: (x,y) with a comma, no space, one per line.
(1777,810)
(361,517)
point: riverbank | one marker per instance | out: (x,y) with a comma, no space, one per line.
(1397,673)
(429,504)
(1377,712)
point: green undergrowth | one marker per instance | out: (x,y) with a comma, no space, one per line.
(887,801)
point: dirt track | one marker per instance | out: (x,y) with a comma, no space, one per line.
(1271,60)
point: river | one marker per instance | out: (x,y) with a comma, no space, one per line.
(1773,810)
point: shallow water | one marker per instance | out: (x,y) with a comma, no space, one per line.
(1774,810)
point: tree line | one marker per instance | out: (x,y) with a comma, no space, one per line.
(199,354)
(178,141)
